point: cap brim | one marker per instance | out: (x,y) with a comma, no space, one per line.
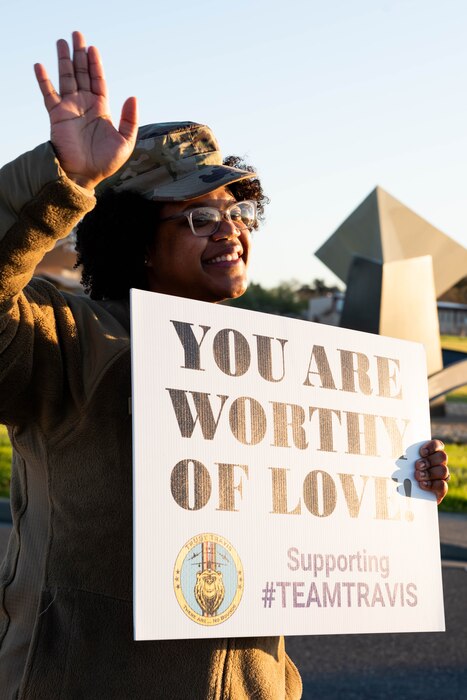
(195,184)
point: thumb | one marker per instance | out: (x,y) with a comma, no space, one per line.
(128,126)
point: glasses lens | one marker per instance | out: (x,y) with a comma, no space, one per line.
(205,220)
(243,213)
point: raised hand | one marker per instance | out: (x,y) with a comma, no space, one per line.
(88,146)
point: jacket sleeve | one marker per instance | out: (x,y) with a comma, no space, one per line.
(38,206)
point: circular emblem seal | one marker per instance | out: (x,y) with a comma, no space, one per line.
(208,579)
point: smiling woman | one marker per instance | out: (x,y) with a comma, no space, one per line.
(206,268)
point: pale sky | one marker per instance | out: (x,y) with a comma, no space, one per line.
(327,100)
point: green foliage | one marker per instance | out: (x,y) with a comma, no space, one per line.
(456,499)
(282,300)
(5,462)
(458,396)
(457,455)
(454,342)
(287,299)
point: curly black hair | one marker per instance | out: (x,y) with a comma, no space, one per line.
(113,239)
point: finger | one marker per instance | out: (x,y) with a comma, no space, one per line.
(437,458)
(128,126)
(66,73)
(96,71)
(80,62)
(434,460)
(51,98)
(441,472)
(440,488)
(430,447)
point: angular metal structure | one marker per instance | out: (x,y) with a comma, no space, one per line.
(396,265)
(408,309)
(388,299)
(384,230)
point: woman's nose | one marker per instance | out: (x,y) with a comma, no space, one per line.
(226,229)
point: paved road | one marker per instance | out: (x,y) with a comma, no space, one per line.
(405,666)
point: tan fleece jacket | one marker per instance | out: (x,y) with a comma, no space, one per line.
(65,585)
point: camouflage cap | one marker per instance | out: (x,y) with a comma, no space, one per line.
(174,161)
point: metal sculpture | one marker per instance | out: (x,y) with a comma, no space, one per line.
(396,265)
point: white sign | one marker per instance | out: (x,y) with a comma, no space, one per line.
(273,477)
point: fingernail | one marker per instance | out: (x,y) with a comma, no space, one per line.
(425,483)
(424,451)
(423,475)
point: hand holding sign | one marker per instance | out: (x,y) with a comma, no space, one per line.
(432,471)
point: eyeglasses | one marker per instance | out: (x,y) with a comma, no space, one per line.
(205,221)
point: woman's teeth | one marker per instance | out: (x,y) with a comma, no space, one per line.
(223,258)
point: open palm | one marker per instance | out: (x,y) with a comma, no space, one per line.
(89,147)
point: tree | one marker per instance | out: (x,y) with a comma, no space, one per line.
(287,299)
